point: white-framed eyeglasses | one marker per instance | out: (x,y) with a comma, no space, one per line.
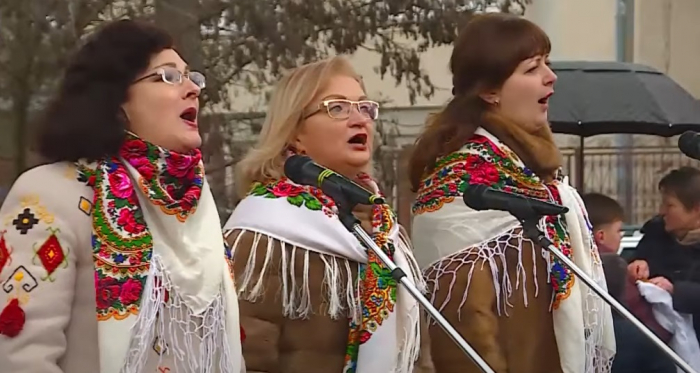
(174,76)
(341,108)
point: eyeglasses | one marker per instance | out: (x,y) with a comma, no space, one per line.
(341,109)
(175,77)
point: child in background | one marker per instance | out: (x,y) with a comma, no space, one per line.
(606,216)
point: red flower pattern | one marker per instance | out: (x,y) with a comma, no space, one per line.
(364,336)
(286,190)
(12,319)
(181,166)
(130,291)
(133,149)
(127,221)
(486,174)
(190,198)
(108,291)
(144,167)
(120,184)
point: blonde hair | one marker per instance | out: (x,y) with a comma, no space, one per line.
(293,94)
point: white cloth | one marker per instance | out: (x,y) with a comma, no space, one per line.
(684,341)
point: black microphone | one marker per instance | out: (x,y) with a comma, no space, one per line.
(481,197)
(689,144)
(302,170)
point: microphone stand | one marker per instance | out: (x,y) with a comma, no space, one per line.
(352,224)
(529,220)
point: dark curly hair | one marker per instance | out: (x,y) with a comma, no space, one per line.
(85,119)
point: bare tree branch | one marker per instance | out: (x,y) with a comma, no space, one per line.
(242,44)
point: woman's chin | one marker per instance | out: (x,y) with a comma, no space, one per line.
(360,162)
(190,142)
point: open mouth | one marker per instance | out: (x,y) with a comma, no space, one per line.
(189,115)
(545,99)
(359,139)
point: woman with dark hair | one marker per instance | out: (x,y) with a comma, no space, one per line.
(668,255)
(519,307)
(111,256)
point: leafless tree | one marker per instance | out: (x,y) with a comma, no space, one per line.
(36,38)
(241,46)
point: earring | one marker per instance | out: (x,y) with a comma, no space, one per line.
(496,102)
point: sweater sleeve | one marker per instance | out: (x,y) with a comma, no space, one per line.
(37,269)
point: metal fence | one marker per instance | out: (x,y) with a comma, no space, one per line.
(601,173)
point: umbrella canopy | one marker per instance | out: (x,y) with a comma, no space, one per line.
(595,98)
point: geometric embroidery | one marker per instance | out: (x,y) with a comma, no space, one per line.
(5,252)
(51,255)
(21,277)
(25,221)
(159,346)
(85,206)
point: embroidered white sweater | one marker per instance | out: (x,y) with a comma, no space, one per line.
(46,265)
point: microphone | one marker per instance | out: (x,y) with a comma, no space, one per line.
(481,197)
(689,144)
(302,170)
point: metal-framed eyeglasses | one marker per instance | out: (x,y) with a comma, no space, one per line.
(174,76)
(341,108)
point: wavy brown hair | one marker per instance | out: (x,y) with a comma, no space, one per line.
(486,53)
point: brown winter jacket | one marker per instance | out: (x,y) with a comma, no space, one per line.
(521,342)
(275,344)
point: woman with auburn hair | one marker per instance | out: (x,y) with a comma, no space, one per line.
(111,255)
(314,300)
(519,306)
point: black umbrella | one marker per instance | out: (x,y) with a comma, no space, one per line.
(595,98)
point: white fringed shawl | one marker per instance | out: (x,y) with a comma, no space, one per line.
(300,223)
(583,321)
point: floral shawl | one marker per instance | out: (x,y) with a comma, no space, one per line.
(383,317)
(587,346)
(158,263)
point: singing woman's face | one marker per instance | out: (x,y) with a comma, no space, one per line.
(164,111)
(338,129)
(524,97)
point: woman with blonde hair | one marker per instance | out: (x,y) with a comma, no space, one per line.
(313,299)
